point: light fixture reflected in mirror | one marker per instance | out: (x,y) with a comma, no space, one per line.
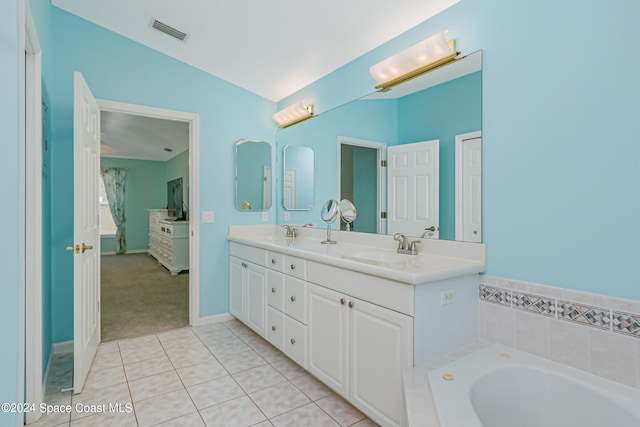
(414,61)
(293,114)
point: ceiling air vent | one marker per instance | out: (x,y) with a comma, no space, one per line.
(173,32)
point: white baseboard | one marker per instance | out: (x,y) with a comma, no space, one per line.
(62,347)
(216,318)
(135,251)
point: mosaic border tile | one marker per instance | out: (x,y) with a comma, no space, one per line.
(534,303)
(626,323)
(495,295)
(615,321)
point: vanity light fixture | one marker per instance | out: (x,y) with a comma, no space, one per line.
(293,114)
(414,61)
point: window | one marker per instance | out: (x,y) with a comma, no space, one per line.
(107,226)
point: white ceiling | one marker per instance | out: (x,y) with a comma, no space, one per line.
(272,48)
(143,138)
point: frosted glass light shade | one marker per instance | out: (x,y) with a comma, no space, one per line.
(429,51)
(293,114)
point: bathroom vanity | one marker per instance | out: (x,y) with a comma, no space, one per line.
(355,314)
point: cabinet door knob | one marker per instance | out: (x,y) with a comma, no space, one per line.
(273,290)
(244,265)
(273,328)
(273,260)
(293,340)
(342,301)
(293,298)
(293,266)
(350,304)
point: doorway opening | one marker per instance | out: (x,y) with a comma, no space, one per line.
(362,180)
(154,285)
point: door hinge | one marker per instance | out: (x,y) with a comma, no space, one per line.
(383,215)
(383,163)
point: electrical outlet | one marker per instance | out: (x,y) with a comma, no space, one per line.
(265,216)
(287,216)
(207,217)
(447,297)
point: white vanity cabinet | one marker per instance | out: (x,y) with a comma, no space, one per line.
(286,305)
(360,350)
(247,287)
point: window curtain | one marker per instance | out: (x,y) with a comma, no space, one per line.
(114,179)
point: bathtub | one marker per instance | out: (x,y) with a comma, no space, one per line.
(499,386)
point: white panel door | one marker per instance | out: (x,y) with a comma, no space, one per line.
(256,298)
(327,337)
(86,231)
(413,185)
(236,287)
(381,349)
(472,190)
(469,187)
(290,193)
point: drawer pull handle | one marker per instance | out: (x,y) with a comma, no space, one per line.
(293,266)
(293,298)
(342,301)
(273,260)
(293,340)
(350,304)
(273,290)
(273,328)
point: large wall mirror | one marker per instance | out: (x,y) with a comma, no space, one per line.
(297,180)
(253,175)
(440,112)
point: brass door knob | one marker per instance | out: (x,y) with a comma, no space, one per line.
(86,247)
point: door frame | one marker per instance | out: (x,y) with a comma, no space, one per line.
(33,216)
(381,149)
(194,187)
(459,140)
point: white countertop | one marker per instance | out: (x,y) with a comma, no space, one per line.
(369,253)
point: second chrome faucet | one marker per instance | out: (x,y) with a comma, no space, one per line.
(406,247)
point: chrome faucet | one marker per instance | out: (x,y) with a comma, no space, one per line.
(291,231)
(404,246)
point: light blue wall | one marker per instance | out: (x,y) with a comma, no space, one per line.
(12,60)
(252,157)
(442,112)
(145,188)
(365,184)
(560,157)
(120,70)
(301,159)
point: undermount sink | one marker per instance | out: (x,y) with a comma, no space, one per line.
(380,257)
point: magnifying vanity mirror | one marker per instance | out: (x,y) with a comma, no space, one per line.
(329,214)
(253,175)
(348,213)
(444,106)
(297,182)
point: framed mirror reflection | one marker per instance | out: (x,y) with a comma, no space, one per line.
(298,178)
(253,175)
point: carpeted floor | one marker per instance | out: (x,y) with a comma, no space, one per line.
(140,297)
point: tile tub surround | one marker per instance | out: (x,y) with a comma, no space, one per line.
(220,374)
(594,333)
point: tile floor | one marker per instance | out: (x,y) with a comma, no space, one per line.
(220,374)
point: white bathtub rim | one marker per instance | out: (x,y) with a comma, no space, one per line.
(452,399)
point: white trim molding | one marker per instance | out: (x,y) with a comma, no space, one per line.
(194,187)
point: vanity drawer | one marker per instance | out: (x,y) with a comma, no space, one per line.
(295,295)
(275,261)
(296,267)
(275,289)
(275,328)
(249,253)
(295,337)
